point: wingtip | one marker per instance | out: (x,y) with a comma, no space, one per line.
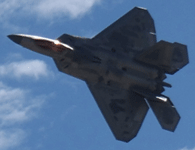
(138,7)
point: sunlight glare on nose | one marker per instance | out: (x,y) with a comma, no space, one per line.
(56,42)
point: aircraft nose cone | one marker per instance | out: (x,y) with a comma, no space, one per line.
(15,38)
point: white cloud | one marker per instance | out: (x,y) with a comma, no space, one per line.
(30,68)
(46,8)
(73,8)
(16,107)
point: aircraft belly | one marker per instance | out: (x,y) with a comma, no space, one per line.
(102,74)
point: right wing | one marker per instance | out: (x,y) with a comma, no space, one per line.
(132,32)
(123,110)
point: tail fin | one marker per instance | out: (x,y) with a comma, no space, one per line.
(170,57)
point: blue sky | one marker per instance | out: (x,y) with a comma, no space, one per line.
(43,109)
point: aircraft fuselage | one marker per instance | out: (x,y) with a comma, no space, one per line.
(124,67)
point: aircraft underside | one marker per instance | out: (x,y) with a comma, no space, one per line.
(124,67)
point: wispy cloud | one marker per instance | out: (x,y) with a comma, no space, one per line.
(30,68)
(185,148)
(11,138)
(16,107)
(14,11)
(72,8)
(46,8)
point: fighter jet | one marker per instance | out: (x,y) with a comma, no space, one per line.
(124,67)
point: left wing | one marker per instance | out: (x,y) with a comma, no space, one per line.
(123,110)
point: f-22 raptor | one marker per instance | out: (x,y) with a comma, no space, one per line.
(124,67)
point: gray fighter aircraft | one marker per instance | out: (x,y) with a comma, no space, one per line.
(124,67)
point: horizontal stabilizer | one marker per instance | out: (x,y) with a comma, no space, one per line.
(163,109)
(169,57)
(165,112)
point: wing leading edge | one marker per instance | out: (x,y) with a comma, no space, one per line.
(123,110)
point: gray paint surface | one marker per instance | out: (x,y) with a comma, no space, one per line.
(123,67)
